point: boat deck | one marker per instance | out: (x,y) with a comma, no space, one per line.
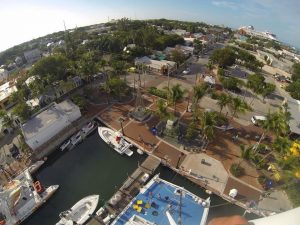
(159,198)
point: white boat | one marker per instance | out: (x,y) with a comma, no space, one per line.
(88,128)
(34,167)
(75,139)
(65,145)
(21,197)
(115,140)
(80,212)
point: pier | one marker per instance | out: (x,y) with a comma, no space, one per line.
(127,192)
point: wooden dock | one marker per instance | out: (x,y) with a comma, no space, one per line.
(128,190)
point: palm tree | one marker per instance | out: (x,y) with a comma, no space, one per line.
(199,92)
(239,106)
(162,109)
(282,145)
(209,66)
(176,94)
(223,100)
(208,121)
(246,153)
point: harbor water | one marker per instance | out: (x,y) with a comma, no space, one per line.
(94,168)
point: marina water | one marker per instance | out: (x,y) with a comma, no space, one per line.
(94,168)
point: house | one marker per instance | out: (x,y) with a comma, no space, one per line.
(49,122)
(5,92)
(293,107)
(19,61)
(180,32)
(187,50)
(3,74)
(30,80)
(162,67)
(33,55)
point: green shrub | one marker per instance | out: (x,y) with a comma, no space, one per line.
(236,170)
(157,92)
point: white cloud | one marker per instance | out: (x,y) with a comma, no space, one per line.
(227,4)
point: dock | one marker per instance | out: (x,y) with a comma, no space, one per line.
(129,190)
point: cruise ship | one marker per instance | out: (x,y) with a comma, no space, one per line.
(20,197)
(161,202)
(262,34)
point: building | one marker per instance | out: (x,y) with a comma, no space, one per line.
(5,92)
(162,67)
(180,32)
(293,107)
(19,61)
(33,55)
(49,122)
(3,74)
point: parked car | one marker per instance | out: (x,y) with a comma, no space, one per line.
(257,119)
(186,71)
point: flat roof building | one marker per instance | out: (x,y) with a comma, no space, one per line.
(49,122)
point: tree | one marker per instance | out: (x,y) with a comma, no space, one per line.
(162,109)
(115,86)
(80,102)
(223,100)
(246,153)
(36,87)
(87,65)
(55,67)
(209,66)
(6,119)
(197,46)
(119,67)
(282,144)
(223,57)
(267,90)
(22,110)
(293,88)
(239,106)
(296,72)
(191,131)
(208,121)
(177,56)
(199,92)
(176,94)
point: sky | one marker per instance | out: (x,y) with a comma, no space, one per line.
(22,21)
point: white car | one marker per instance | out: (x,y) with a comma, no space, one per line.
(256,119)
(186,71)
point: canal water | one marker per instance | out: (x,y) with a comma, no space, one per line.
(94,168)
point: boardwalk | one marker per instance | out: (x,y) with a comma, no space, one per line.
(127,192)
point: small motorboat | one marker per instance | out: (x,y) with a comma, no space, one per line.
(65,145)
(88,128)
(76,139)
(115,140)
(34,167)
(80,212)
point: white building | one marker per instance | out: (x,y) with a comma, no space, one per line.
(180,32)
(162,67)
(33,55)
(3,74)
(48,123)
(5,91)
